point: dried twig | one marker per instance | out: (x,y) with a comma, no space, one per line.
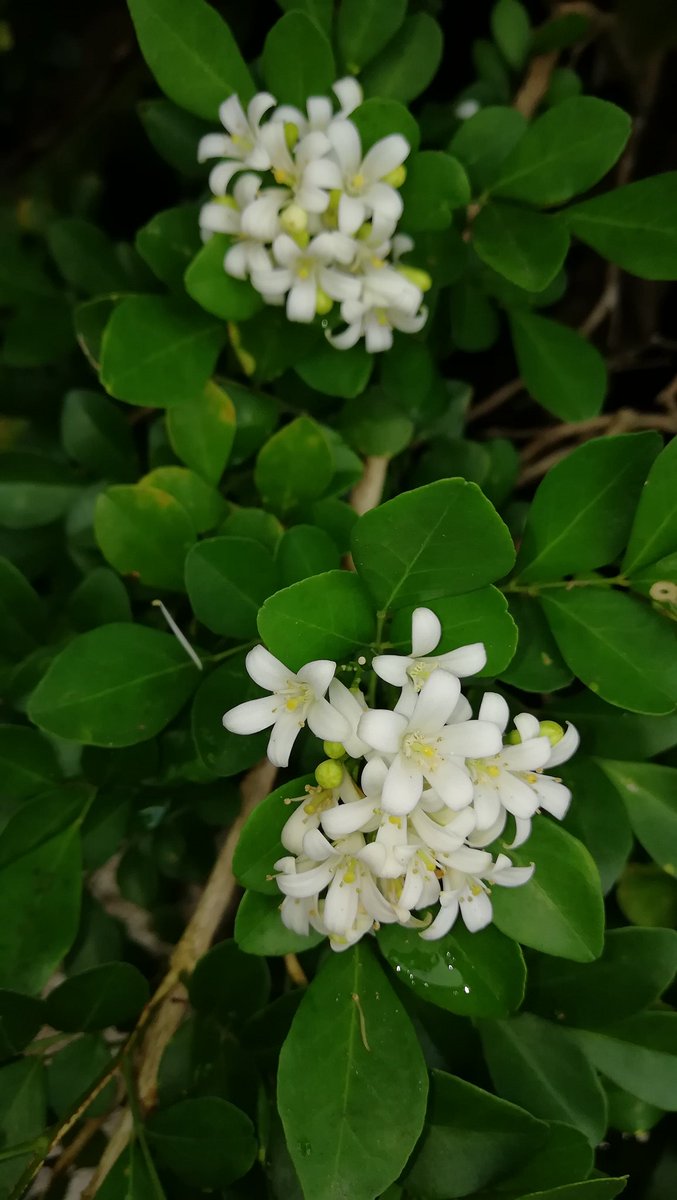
(367,493)
(624,420)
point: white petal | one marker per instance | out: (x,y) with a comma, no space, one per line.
(527,756)
(302,300)
(462,712)
(436,701)
(326,722)
(261,218)
(339,285)
(402,788)
(294,915)
(322,173)
(527,726)
(494,708)
(442,923)
(566,746)
(554,797)
(345,819)
(373,901)
(426,632)
(378,336)
(385,201)
(408,324)
(348,93)
(283,735)
(317,847)
(306,883)
(485,837)
(221,175)
(384,156)
(299,824)
(382,730)
(512,876)
(259,105)
(472,739)
(487,805)
(219,218)
(266,670)
(252,716)
(374,857)
(351,214)
(340,906)
(235,261)
(212,145)
(286,250)
(466,660)
(476,911)
(452,785)
(320,111)
(412,889)
(522,832)
(392,667)
(318,674)
(516,796)
(346,340)
(469,860)
(373,777)
(272,282)
(233,117)
(346,144)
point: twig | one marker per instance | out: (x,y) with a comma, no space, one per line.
(495,400)
(74,1149)
(623,421)
(137,921)
(295,970)
(367,493)
(536,83)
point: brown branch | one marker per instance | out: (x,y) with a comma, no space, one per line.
(367,493)
(295,970)
(624,421)
(536,83)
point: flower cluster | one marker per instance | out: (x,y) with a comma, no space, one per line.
(312,219)
(436,788)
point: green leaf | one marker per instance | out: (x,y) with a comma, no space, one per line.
(95,434)
(471,1140)
(376,118)
(204,504)
(271,343)
(27,761)
(39,909)
(525,247)
(364,27)
(405,67)
(34,490)
(583,510)
(479,975)
(565,1157)
(539,1066)
(90,319)
(565,151)
(20,1019)
(22,1113)
(101,599)
(114,686)
(259,845)
(222,752)
(654,531)
(537,665)
(337,372)
(158,351)
(22,617)
(169,241)
(85,256)
(175,134)
(480,616)
(227,580)
(297,60)
(484,141)
(649,794)
(202,432)
(294,466)
(208,283)
(372,426)
(511,29)
(633,971)
(368,1102)
(628,1113)
(192,53)
(144,532)
(633,226)
(437,540)
(616,645)
(436,185)
(132,1178)
(253,523)
(113,994)
(612,734)
(229,984)
(560,910)
(303,551)
(259,928)
(602,1188)
(560,369)
(325,616)
(647,896)
(74,1070)
(596,816)
(206,1141)
(639,1054)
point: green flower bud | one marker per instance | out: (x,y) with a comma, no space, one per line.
(294,219)
(420,279)
(513,738)
(397,177)
(334,749)
(329,774)
(291,134)
(226,201)
(552,731)
(323,303)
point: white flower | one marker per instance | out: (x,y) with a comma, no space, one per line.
(414,669)
(231,215)
(312,808)
(241,146)
(296,698)
(423,746)
(466,889)
(320,110)
(375,324)
(362,179)
(351,705)
(308,173)
(512,780)
(304,273)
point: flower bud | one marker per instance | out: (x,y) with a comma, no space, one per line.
(226,201)
(397,177)
(420,279)
(364,231)
(291,134)
(294,220)
(329,773)
(334,749)
(513,738)
(552,731)
(323,304)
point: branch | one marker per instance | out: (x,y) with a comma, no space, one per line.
(367,493)
(623,421)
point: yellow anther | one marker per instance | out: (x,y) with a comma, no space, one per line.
(357,181)
(281,176)
(552,731)
(396,821)
(476,889)
(494,772)
(427,860)
(292,703)
(376,262)
(349,873)
(420,279)
(397,177)
(531,778)
(303,271)
(381,316)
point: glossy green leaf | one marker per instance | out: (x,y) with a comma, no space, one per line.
(537,665)
(480,616)
(294,466)
(74,1070)
(408,63)
(219,293)
(438,540)
(174,134)
(259,845)
(376,119)
(259,928)
(368,1103)
(337,372)
(34,490)
(229,984)
(565,1157)
(539,1066)
(628,1113)
(364,27)
(202,432)
(596,816)
(600,1188)
(96,434)
(305,550)
(560,910)
(169,241)
(480,975)
(254,524)
(20,1019)
(192,53)
(647,896)
(158,351)
(560,369)
(206,1141)
(204,504)
(436,185)
(484,141)
(471,1140)
(612,734)
(133,1177)
(297,60)
(325,616)
(649,793)
(525,247)
(144,532)
(582,512)
(101,599)
(227,580)
(85,256)
(27,762)
(654,531)
(22,616)
(616,645)
(222,752)
(114,686)
(22,1113)
(512,31)
(373,426)
(564,152)
(633,226)
(113,994)
(639,1054)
